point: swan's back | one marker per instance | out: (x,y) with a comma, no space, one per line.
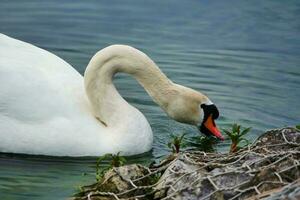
(32,78)
(42,101)
(44,109)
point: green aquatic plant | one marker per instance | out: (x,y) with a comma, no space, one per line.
(79,191)
(154,178)
(298,127)
(203,143)
(176,143)
(237,137)
(115,160)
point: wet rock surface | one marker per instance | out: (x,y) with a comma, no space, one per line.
(268,169)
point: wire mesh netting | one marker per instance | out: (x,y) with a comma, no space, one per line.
(268,169)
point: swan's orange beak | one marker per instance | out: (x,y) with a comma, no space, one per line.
(211,126)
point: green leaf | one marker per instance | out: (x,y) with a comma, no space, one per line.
(122,160)
(227,132)
(173,149)
(245,131)
(183,145)
(238,129)
(298,126)
(236,134)
(182,136)
(233,136)
(235,128)
(173,136)
(101,158)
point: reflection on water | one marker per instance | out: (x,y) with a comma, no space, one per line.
(243,55)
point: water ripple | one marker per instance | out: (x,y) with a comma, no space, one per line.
(245,57)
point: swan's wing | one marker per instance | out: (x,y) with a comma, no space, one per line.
(43,105)
(36,85)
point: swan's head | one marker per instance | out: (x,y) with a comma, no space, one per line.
(192,107)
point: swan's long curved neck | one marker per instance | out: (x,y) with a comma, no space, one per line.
(107,103)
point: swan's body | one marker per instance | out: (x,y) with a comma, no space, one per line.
(48,108)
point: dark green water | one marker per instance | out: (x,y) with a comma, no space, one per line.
(243,54)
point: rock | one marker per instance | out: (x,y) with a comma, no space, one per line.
(270,165)
(291,191)
(116,181)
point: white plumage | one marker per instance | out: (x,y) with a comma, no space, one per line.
(44,109)
(48,108)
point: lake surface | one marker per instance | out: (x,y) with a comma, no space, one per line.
(243,54)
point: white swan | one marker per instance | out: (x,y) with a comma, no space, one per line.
(48,108)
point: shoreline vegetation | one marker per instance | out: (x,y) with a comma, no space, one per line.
(266,169)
